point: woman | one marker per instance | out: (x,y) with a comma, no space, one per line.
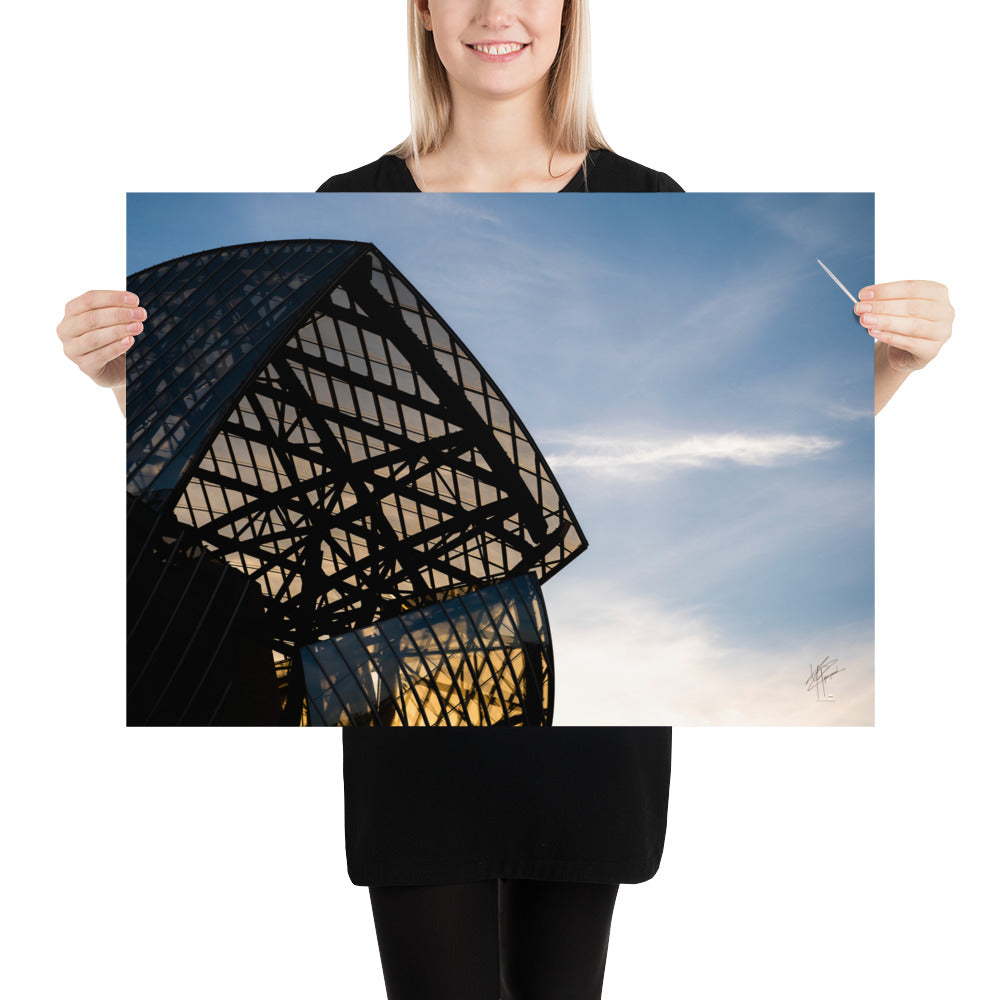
(508,885)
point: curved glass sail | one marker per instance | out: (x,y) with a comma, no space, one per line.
(478,659)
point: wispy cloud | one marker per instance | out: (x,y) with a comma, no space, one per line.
(642,458)
(809,222)
(838,411)
(460,207)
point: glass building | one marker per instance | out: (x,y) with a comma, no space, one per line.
(334,515)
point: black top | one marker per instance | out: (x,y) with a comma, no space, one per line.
(455,805)
(564,804)
(602,172)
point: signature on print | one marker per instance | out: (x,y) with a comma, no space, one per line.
(820,674)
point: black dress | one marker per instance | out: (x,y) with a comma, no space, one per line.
(438,806)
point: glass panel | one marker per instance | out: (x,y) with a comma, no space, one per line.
(465,661)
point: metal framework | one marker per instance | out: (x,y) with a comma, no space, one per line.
(305,429)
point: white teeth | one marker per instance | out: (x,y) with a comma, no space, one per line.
(499,50)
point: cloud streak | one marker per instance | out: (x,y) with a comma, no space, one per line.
(646,457)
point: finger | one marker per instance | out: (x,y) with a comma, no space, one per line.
(95,299)
(94,362)
(85,345)
(905,290)
(929,309)
(921,349)
(74,327)
(908,326)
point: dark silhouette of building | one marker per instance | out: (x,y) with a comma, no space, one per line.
(334,515)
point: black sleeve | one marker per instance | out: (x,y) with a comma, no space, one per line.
(664,182)
(611,173)
(362,179)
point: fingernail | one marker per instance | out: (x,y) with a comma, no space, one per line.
(868,319)
(130,299)
(863,307)
(134,328)
(128,341)
(867,293)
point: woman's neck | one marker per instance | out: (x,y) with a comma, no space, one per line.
(496,145)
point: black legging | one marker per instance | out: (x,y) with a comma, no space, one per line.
(513,939)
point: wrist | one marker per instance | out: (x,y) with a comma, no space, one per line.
(887,378)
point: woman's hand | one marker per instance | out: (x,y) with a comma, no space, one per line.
(96,331)
(912,318)
(909,321)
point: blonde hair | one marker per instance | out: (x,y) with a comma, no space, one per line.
(571,120)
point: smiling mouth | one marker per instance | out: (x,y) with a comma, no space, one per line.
(502,49)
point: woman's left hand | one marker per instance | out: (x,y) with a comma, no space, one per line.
(912,318)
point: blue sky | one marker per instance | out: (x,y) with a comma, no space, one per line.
(703,393)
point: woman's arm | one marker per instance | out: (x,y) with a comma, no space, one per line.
(910,321)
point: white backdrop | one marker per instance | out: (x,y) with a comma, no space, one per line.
(205,864)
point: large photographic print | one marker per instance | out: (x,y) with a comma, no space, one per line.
(366,432)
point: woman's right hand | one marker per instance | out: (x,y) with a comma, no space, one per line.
(96,331)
